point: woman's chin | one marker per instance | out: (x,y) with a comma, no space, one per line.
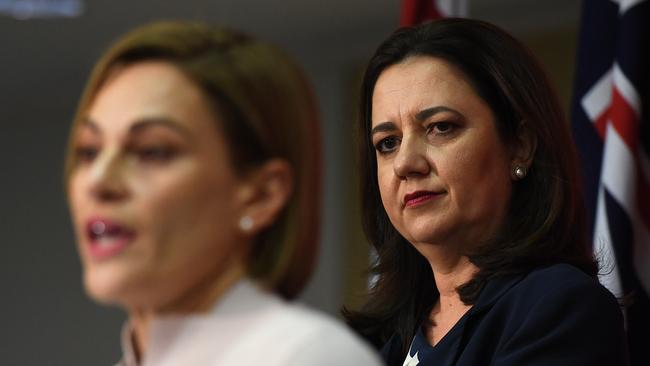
(108,287)
(427,236)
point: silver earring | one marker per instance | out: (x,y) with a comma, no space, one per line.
(519,172)
(246,223)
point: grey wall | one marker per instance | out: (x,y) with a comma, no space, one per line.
(45,318)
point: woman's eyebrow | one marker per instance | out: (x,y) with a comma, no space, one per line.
(160,121)
(382,127)
(429,112)
(420,116)
(88,123)
(143,124)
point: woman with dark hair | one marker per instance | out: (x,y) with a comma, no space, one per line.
(472,200)
(192,175)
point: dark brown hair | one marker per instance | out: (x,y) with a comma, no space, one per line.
(545,223)
(266,110)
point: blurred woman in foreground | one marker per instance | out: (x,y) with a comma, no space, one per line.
(193,177)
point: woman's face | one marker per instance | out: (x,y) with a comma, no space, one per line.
(154,198)
(442,169)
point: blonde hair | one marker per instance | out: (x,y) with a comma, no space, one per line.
(267,110)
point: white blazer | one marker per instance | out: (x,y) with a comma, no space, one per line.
(249,327)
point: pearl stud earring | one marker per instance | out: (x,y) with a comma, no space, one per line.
(519,172)
(246,223)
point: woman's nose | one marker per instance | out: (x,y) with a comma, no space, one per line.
(107,176)
(411,160)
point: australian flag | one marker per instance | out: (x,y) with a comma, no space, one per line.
(611,125)
(414,12)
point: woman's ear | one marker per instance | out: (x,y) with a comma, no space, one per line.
(267,190)
(525,145)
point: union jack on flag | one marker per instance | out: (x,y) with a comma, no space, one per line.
(611,112)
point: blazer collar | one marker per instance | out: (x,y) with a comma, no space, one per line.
(493,290)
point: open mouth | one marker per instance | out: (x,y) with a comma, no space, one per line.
(107,238)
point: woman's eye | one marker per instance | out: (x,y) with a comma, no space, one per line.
(441,128)
(387,144)
(155,153)
(86,154)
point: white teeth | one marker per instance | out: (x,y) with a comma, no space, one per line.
(98,228)
(104,242)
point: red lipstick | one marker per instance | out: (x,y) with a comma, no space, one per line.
(107,238)
(418,198)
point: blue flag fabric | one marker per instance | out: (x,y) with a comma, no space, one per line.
(611,125)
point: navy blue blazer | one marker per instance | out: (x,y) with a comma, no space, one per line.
(555,315)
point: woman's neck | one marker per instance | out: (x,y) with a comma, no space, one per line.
(198,299)
(450,271)
(449,266)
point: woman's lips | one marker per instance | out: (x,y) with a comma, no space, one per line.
(107,238)
(420,197)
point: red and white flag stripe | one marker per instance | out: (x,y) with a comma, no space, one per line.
(418,11)
(613,105)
